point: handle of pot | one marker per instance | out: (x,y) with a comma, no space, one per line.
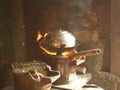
(38,78)
(85,53)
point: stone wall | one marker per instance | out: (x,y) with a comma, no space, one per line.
(115,37)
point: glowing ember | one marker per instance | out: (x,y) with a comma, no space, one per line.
(66,53)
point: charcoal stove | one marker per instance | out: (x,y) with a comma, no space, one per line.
(59,48)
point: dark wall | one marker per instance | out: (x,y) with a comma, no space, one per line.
(75,16)
(5,29)
(6,43)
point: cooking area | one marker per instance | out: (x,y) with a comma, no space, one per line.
(61,55)
(59,45)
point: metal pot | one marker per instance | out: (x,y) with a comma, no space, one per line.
(58,40)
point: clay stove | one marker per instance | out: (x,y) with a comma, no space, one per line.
(59,50)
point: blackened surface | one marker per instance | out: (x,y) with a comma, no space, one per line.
(6,45)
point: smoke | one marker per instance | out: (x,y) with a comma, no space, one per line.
(68,14)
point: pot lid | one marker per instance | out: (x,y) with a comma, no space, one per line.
(58,39)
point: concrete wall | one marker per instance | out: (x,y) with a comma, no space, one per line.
(103,11)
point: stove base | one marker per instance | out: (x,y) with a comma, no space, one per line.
(85,87)
(78,82)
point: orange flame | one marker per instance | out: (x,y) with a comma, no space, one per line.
(48,52)
(39,36)
(45,34)
(54,53)
(66,53)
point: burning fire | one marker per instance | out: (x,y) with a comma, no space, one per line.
(48,52)
(66,53)
(54,53)
(39,36)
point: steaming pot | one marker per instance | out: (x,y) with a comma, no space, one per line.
(59,51)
